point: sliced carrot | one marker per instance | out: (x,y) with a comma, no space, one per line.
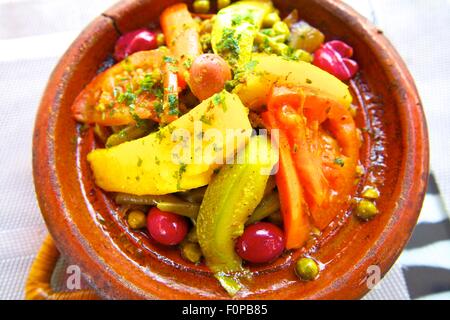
(287,104)
(182,37)
(293,207)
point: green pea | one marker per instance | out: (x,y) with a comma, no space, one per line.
(201,6)
(366,210)
(136,219)
(270,19)
(307,269)
(371,193)
(223,3)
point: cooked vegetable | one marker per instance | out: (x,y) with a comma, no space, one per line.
(182,38)
(191,251)
(270,19)
(371,193)
(366,209)
(194,195)
(276,218)
(229,200)
(129,133)
(136,219)
(286,105)
(339,145)
(201,6)
(171,105)
(293,207)
(165,227)
(326,165)
(192,235)
(334,57)
(307,269)
(261,242)
(134,41)
(147,200)
(234,30)
(125,93)
(156,164)
(276,45)
(102,133)
(271,185)
(222,4)
(160,39)
(182,208)
(257,82)
(208,75)
(305,37)
(268,205)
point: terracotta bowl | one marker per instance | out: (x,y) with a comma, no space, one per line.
(90,231)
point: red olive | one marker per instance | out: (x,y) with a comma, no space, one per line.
(333,57)
(208,75)
(134,41)
(166,227)
(340,47)
(261,242)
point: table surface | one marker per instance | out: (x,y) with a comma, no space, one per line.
(35,33)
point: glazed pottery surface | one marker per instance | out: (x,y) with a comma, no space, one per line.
(90,231)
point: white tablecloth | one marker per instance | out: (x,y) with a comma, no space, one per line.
(35,33)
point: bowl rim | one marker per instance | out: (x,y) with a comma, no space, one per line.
(414,174)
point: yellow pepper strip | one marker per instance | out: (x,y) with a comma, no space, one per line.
(235,28)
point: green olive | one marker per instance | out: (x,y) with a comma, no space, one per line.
(191,251)
(201,6)
(270,19)
(136,219)
(223,3)
(371,193)
(366,210)
(307,269)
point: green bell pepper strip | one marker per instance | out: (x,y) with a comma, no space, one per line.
(235,28)
(229,200)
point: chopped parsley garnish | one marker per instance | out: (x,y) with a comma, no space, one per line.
(219,99)
(147,83)
(128,97)
(173,104)
(179,174)
(339,162)
(205,119)
(158,105)
(168,59)
(187,63)
(229,45)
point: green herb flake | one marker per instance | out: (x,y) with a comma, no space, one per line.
(339,162)
(173,104)
(168,59)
